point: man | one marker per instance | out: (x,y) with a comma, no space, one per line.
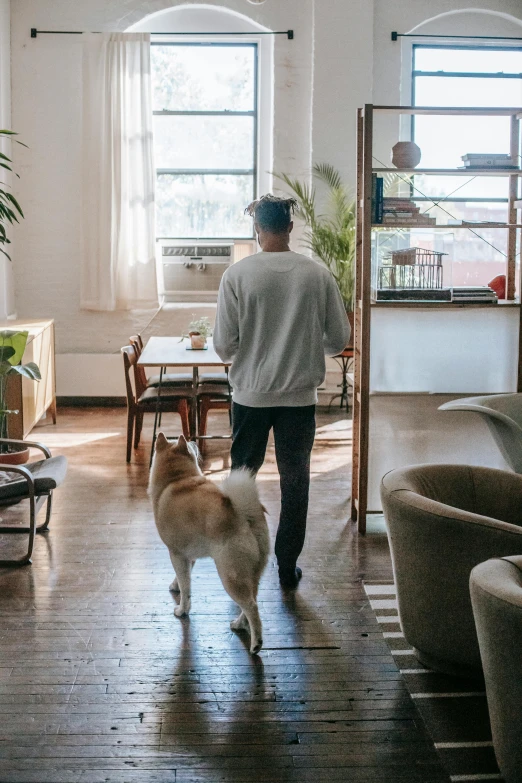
(278,314)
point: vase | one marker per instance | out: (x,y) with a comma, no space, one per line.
(197,341)
(406,155)
(17,455)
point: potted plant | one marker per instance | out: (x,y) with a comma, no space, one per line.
(12,347)
(330,236)
(10,209)
(198,331)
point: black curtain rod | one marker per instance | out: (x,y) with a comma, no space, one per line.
(289,33)
(395,36)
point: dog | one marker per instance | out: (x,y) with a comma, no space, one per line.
(197,518)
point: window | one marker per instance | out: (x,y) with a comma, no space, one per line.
(466,76)
(205,138)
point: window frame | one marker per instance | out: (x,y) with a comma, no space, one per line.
(254,113)
(454,74)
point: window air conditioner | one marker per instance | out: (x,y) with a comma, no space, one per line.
(193,272)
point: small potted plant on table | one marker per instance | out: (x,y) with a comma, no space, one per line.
(12,347)
(199,329)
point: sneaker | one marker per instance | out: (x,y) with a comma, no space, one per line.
(289,578)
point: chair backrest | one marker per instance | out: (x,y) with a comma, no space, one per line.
(503,415)
(139,372)
(137,341)
(130,359)
(496,595)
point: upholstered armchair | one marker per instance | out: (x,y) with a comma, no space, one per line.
(442,521)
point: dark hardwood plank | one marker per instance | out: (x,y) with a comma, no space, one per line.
(100,683)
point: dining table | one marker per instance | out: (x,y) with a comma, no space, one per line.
(176,351)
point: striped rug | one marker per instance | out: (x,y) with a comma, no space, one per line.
(454,711)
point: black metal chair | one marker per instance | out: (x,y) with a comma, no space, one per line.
(35,482)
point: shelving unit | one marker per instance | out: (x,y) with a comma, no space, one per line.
(363,276)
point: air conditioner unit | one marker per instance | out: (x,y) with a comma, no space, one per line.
(193,272)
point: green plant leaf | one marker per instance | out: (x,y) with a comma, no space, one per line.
(16,340)
(15,202)
(6,351)
(29,370)
(328,174)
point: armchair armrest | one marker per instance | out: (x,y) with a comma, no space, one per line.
(31,444)
(23,472)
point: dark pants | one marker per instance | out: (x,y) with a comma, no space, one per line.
(294,432)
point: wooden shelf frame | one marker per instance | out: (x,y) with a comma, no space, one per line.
(363,269)
(483,172)
(446,226)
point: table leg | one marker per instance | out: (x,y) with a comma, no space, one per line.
(344,363)
(344,384)
(194,406)
(157,417)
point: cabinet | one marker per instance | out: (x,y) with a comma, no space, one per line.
(407,352)
(32,399)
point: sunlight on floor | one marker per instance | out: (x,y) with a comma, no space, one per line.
(67,440)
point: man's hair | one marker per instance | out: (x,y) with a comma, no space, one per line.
(273,214)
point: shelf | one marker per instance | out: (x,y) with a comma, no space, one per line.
(503,111)
(447,305)
(492,172)
(447,226)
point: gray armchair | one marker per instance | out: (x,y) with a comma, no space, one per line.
(496,594)
(503,415)
(34,482)
(442,521)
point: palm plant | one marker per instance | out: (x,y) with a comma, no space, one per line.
(10,209)
(330,236)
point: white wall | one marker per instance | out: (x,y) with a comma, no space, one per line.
(7,304)
(343,75)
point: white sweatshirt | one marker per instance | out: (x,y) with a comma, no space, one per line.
(278,314)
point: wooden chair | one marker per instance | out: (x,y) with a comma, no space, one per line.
(211,397)
(169,379)
(34,482)
(142,399)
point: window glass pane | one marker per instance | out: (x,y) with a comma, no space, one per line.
(468,60)
(203,78)
(461,135)
(463,187)
(203,206)
(188,142)
(467,91)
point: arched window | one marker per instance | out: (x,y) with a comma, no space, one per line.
(208,107)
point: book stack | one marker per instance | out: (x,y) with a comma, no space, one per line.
(480,293)
(377,198)
(403,211)
(494,160)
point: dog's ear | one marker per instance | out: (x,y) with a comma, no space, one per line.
(182,446)
(161,442)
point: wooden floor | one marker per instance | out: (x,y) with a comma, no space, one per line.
(99,682)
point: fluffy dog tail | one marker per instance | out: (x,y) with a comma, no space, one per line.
(241,488)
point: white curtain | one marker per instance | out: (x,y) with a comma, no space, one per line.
(119,269)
